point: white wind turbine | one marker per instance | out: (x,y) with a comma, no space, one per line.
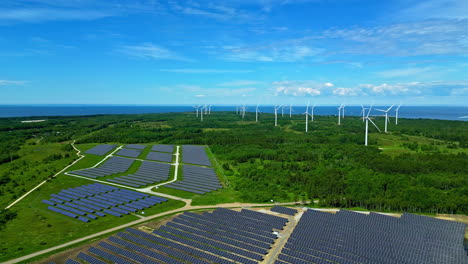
(256,114)
(363,112)
(342,111)
(312,113)
(396,114)
(282,110)
(307,118)
(196,107)
(276,114)
(201,113)
(243,111)
(367,118)
(386,116)
(290,110)
(339,114)
(209,109)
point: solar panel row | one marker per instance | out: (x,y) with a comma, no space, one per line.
(98,200)
(158,156)
(195,155)
(349,237)
(180,243)
(197,180)
(148,173)
(101,149)
(132,153)
(135,146)
(283,210)
(163,148)
(111,166)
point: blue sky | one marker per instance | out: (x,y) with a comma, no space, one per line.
(234,51)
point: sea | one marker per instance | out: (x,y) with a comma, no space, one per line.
(416,112)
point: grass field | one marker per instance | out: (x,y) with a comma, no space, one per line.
(36,228)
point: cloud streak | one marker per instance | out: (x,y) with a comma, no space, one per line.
(12,83)
(149,51)
(203,71)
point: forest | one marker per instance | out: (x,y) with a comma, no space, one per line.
(421,165)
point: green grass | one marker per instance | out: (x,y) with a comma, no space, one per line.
(37,228)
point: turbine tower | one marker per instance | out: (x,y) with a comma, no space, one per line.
(282,110)
(201,113)
(339,114)
(367,118)
(386,116)
(312,113)
(243,111)
(276,114)
(290,110)
(256,114)
(342,112)
(307,118)
(196,107)
(396,114)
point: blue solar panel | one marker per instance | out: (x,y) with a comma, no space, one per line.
(60,211)
(48,202)
(112,213)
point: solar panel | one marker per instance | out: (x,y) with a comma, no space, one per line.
(135,146)
(195,155)
(163,148)
(132,153)
(101,149)
(89,259)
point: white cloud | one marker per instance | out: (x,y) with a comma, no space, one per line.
(300,88)
(312,88)
(346,91)
(204,71)
(200,95)
(436,9)
(150,51)
(286,53)
(11,83)
(403,72)
(50,14)
(431,37)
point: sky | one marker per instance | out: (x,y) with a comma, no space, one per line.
(413,52)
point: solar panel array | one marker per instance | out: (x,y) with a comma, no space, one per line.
(223,236)
(158,156)
(135,146)
(95,200)
(283,210)
(101,149)
(132,153)
(197,180)
(111,166)
(349,237)
(163,148)
(148,173)
(195,155)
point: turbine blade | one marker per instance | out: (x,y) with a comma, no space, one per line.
(375,125)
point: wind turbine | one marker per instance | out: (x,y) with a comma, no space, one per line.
(342,112)
(196,107)
(282,110)
(339,114)
(290,110)
(367,125)
(201,113)
(256,114)
(209,109)
(386,116)
(307,118)
(396,114)
(363,112)
(276,114)
(312,113)
(243,111)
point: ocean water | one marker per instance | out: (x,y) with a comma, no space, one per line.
(429,112)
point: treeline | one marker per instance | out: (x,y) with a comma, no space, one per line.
(282,163)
